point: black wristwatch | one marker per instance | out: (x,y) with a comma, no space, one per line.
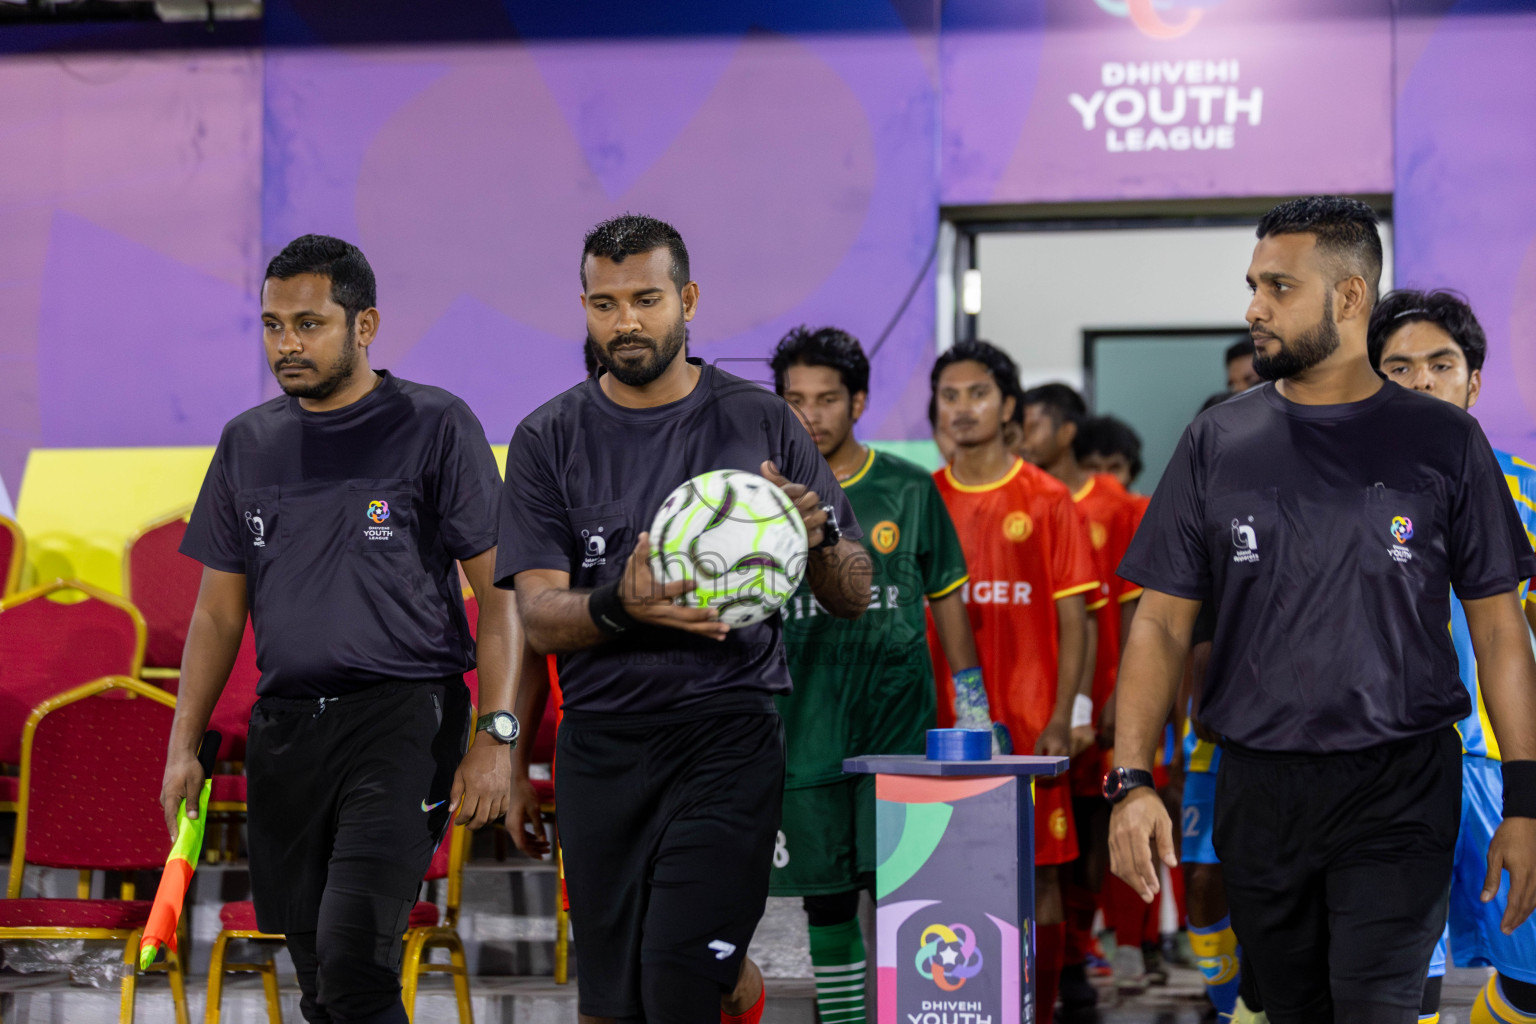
(831,533)
(1120,781)
(501,726)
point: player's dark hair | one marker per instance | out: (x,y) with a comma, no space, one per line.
(825,346)
(1215,399)
(998,363)
(1345,229)
(352,285)
(1106,435)
(1447,310)
(1239,350)
(631,234)
(1062,403)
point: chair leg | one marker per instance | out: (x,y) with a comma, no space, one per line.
(130,976)
(562,922)
(216,980)
(178,985)
(460,979)
(410,972)
(269,985)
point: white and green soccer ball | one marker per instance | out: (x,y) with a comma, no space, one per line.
(737,537)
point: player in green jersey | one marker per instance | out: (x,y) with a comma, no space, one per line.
(864,686)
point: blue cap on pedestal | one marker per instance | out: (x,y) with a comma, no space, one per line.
(959,744)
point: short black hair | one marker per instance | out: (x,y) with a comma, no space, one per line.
(1445,309)
(1345,229)
(1214,399)
(631,234)
(1239,350)
(825,346)
(1005,373)
(1106,435)
(352,284)
(1063,403)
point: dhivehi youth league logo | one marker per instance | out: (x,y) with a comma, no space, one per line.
(1144,14)
(1402,529)
(949,956)
(378,511)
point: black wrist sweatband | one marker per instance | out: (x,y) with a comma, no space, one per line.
(1519,789)
(608,611)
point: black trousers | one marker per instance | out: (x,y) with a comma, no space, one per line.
(348,799)
(1338,871)
(667,823)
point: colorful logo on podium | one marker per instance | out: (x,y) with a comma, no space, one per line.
(949,956)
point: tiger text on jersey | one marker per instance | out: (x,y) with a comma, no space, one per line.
(997,592)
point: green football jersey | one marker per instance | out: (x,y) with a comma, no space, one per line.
(866,686)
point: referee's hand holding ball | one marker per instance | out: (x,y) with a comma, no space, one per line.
(654,603)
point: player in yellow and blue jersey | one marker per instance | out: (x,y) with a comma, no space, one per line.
(1432,342)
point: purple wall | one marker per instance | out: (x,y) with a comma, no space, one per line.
(142,191)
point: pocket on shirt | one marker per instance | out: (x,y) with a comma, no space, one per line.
(604,535)
(1397,535)
(379,515)
(258,509)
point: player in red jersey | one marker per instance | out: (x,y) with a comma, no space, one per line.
(1031,568)
(1053,417)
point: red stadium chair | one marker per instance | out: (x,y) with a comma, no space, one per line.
(90,800)
(162,583)
(232,719)
(49,644)
(13,552)
(426,930)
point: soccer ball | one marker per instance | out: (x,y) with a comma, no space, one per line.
(735,535)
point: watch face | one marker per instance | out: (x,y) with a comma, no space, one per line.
(505,726)
(1112,783)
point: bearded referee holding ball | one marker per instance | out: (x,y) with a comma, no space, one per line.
(671,753)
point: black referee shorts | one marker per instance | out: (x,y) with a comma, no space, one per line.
(348,799)
(667,822)
(1338,869)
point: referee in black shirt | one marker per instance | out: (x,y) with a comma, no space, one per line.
(1327,516)
(670,757)
(334,515)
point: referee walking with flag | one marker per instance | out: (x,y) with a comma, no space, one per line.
(334,515)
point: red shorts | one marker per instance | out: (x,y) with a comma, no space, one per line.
(1055,831)
(1087,772)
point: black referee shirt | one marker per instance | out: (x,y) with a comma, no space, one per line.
(1328,539)
(585,477)
(346,525)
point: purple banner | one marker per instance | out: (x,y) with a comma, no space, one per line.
(1129,99)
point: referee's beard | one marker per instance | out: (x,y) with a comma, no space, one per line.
(637,369)
(1306,351)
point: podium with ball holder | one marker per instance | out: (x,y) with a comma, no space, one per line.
(954,885)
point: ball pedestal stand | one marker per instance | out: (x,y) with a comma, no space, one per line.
(954,887)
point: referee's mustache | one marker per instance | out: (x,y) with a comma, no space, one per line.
(302,364)
(630,339)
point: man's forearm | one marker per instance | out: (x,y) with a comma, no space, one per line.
(840,578)
(1090,655)
(954,628)
(1071,632)
(1150,672)
(205,665)
(557,620)
(1506,675)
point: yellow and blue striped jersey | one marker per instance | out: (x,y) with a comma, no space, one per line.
(1476,734)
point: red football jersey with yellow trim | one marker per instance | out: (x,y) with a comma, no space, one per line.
(1111,518)
(1026,547)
